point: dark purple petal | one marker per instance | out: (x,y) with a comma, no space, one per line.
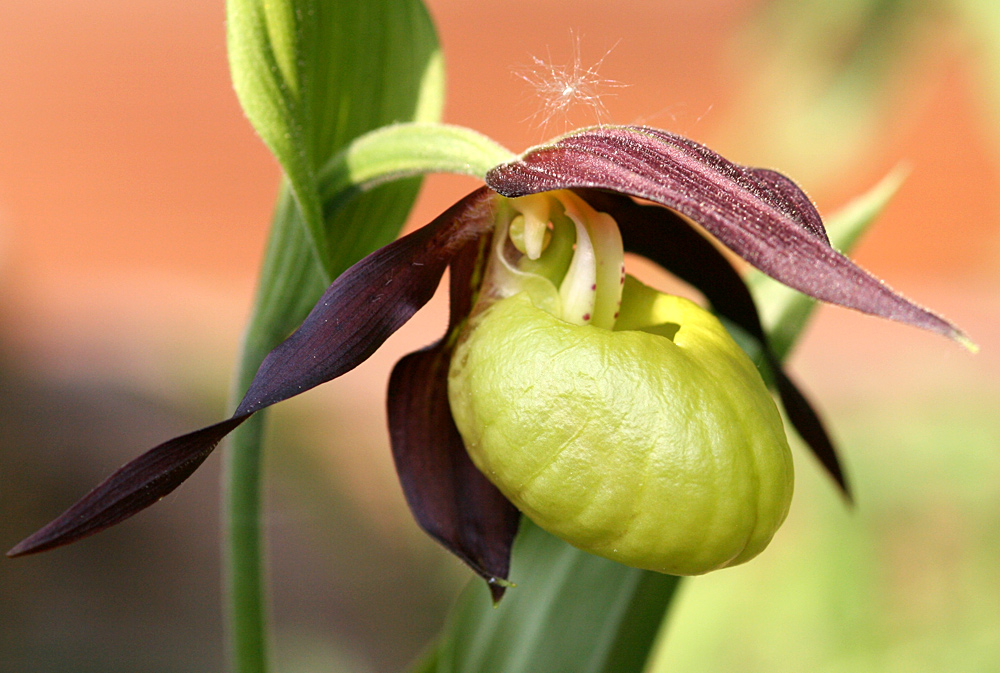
(759,214)
(447,494)
(356,314)
(798,206)
(367,304)
(808,424)
(131,489)
(667,239)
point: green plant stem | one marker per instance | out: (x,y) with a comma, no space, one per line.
(244,554)
(290,283)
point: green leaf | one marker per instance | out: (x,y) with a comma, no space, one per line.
(784,311)
(568,611)
(314,75)
(401,150)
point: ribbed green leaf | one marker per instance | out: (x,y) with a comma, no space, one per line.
(312,76)
(569,612)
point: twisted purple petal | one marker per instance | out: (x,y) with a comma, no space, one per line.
(356,314)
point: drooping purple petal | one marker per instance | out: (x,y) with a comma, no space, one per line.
(447,494)
(758,214)
(131,489)
(356,314)
(808,424)
(667,239)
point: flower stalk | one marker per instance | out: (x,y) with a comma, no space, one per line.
(244,559)
(289,281)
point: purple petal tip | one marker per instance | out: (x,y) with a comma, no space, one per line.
(759,214)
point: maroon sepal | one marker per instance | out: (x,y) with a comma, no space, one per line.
(367,304)
(665,238)
(758,214)
(356,314)
(131,489)
(447,494)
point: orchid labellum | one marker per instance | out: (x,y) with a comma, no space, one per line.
(623,420)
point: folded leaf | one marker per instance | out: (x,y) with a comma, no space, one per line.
(311,77)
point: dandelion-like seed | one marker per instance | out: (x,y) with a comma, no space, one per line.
(561,88)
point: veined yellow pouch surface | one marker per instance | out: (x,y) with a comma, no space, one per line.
(655,444)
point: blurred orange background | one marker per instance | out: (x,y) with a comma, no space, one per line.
(130,180)
(135,200)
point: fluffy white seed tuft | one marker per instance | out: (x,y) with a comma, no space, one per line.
(562,89)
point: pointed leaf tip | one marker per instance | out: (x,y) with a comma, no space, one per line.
(759,214)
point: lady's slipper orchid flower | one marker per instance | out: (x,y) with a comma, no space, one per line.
(621,419)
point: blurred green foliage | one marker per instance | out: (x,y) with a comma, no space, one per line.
(908,581)
(832,80)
